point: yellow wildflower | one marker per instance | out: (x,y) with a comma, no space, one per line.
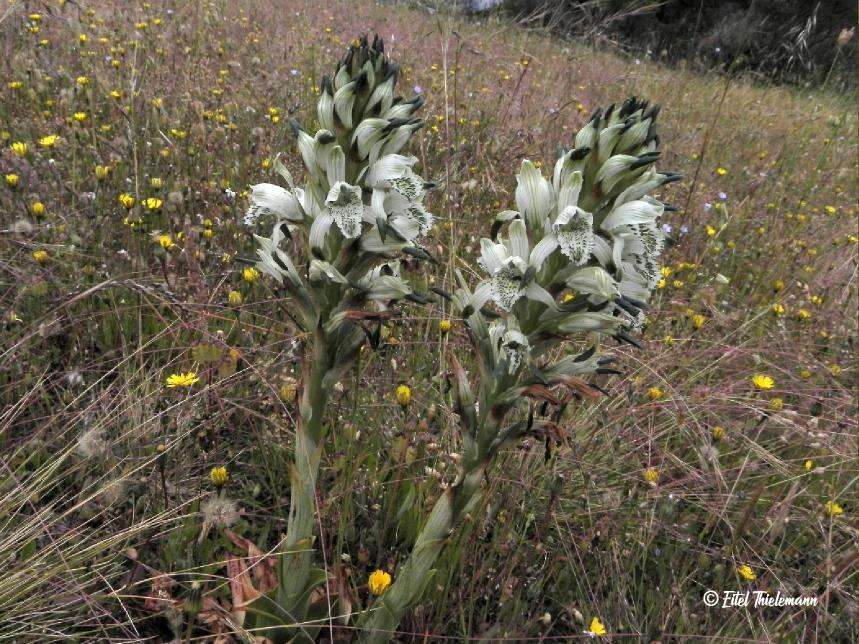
(219,476)
(19,148)
(182,379)
(378,582)
(41,256)
(444,326)
(404,395)
(250,274)
(651,475)
(126,201)
(234,298)
(718,432)
(746,572)
(655,393)
(762,381)
(37,208)
(152,203)
(596,629)
(166,242)
(721,171)
(833,509)
(12,180)
(49,141)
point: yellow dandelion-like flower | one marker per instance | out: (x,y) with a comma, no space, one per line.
(698,320)
(655,393)
(19,148)
(762,381)
(156,182)
(166,242)
(444,326)
(49,141)
(651,475)
(182,379)
(219,476)
(250,274)
(404,395)
(378,582)
(234,298)
(745,571)
(41,256)
(777,309)
(37,208)
(833,509)
(720,171)
(126,201)
(718,432)
(152,203)
(596,628)
(101,172)
(12,180)
(776,404)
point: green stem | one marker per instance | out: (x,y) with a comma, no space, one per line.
(296,562)
(379,625)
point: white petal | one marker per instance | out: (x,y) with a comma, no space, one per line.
(593,280)
(344,99)
(345,204)
(491,255)
(574,231)
(541,252)
(268,198)
(633,212)
(534,197)
(537,293)
(518,239)
(390,166)
(319,230)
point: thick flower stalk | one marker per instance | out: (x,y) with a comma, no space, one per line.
(579,260)
(333,249)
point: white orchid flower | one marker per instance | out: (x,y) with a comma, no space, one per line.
(511,267)
(397,200)
(637,242)
(574,231)
(344,207)
(534,197)
(274,261)
(270,199)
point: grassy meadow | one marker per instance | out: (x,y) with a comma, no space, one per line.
(129,135)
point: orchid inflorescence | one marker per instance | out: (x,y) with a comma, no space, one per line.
(581,255)
(334,248)
(580,259)
(362,204)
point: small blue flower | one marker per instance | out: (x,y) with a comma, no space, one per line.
(418,89)
(722,196)
(666,228)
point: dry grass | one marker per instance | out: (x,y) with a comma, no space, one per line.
(104,469)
